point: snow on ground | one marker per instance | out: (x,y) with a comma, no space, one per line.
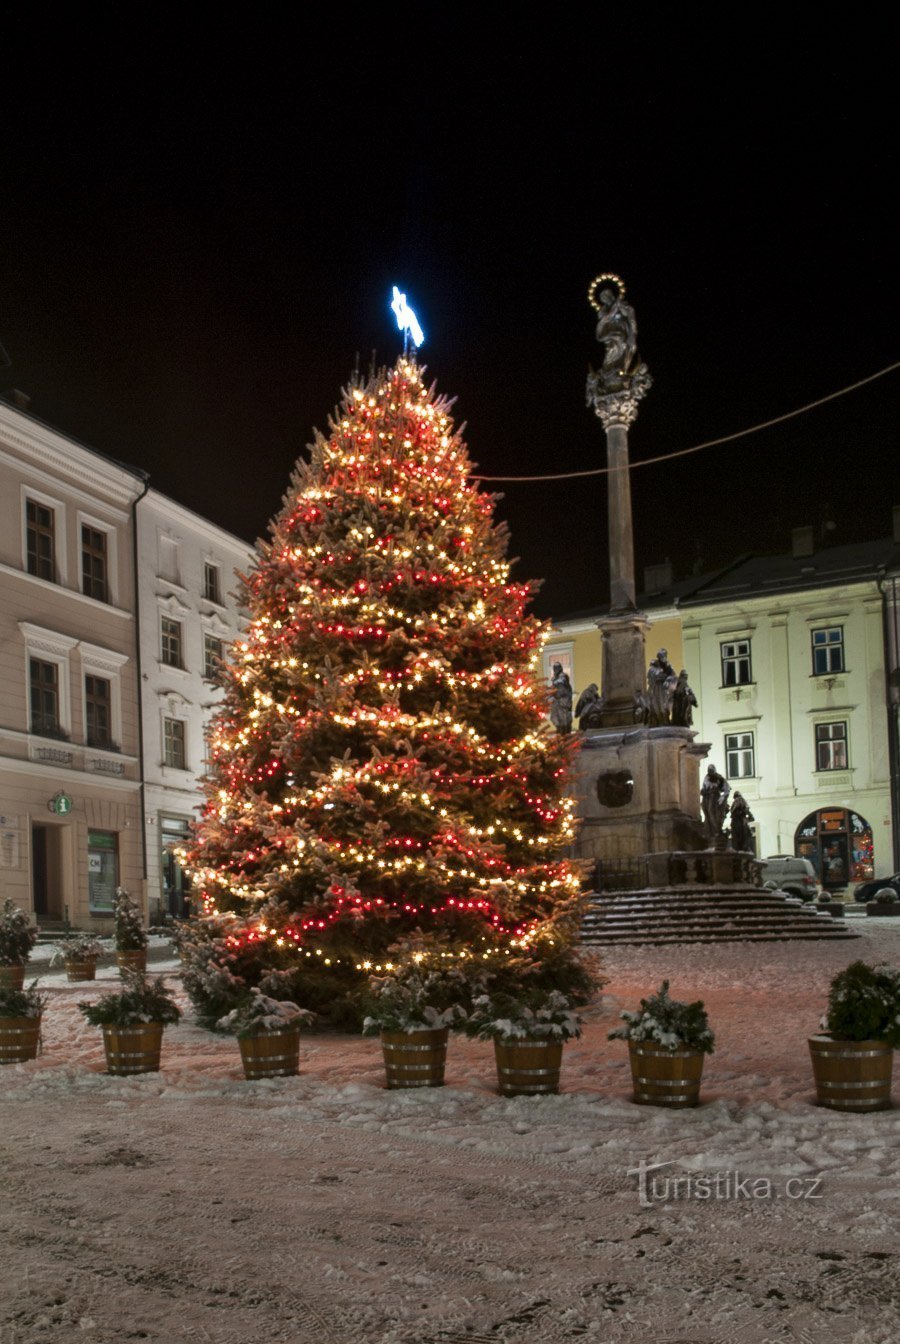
(322,1209)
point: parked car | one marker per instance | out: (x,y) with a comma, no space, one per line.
(867,891)
(793,875)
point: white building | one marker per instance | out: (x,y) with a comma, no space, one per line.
(790,660)
(188,616)
(70,808)
(794,661)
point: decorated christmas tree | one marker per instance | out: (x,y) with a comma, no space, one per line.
(382,765)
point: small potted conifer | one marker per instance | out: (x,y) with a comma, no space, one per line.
(79,955)
(525,1003)
(130,934)
(17,937)
(853,1057)
(667,1041)
(132,1022)
(411,1004)
(268,1034)
(20,1022)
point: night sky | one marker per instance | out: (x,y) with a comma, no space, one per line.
(201,225)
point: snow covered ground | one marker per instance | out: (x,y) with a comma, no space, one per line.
(192,1205)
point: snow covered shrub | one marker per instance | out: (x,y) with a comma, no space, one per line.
(83,947)
(415,994)
(29,1002)
(141,1000)
(505,1017)
(17,935)
(864,1004)
(668,1023)
(257,1012)
(130,933)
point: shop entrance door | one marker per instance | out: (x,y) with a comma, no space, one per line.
(46,872)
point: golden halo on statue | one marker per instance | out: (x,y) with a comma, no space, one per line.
(602,280)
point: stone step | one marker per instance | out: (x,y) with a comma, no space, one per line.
(693,915)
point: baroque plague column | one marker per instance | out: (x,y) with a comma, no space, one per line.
(638,779)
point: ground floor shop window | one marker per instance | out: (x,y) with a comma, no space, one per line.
(838,844)
(103,870)
(176,885)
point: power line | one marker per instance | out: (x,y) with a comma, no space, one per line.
(698,447)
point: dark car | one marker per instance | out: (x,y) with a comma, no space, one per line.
(866,891)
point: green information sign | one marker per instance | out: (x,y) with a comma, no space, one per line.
(61,804)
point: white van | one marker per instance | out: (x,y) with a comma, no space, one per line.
(796,876)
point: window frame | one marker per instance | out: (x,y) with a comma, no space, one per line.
(89,551)
(49,647)
(170,721)
(735,660)
(107,665)
(212,672)
(212,583)
(166,638)
(829,742)
(740,750)
(102,739)
(41,724)
(60,553)
(837,646)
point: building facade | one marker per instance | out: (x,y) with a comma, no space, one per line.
(70,779)
(116,608)
(793,660)
(188,618)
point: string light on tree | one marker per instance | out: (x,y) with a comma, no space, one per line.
(381,761)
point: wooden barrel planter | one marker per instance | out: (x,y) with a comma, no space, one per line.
(133,1049)
(852,1075)
(415,1058)
(271,1054)
(81,970)
(665,1077)
(134,960)
(19,1039)
(527,1067)
(12,977)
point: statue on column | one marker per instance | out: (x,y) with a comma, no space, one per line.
(560,700)
(622,379)
(684,702)
(661,683)
(741,816)
(714,793)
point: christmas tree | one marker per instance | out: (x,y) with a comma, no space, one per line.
(381,764)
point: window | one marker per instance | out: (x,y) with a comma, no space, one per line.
(97,709)
(173,743)
(831,746)
(212,590)
(103,870)
(212,658)
(171,642)
(740,755)
(736,662)
(39,521)
(44,679)
(828,650)
(93,563)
